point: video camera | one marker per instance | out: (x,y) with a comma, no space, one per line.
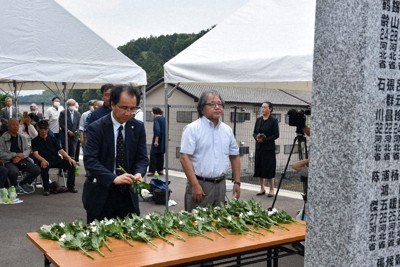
(298,119)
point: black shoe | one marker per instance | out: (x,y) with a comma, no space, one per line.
(260,193)
(46,193)
(72,190)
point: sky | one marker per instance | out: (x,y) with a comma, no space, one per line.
(120,21)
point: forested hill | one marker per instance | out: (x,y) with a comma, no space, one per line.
(152,52)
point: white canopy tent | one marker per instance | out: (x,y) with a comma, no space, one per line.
(265,43)
(43,46)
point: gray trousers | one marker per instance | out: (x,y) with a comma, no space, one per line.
(215,195)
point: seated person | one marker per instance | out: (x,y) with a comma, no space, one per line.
(3,175)
(301,167)
(14,151)
(27,129)
(47,151)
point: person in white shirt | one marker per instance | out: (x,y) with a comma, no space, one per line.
(83,125)
(26,129)
(139,114)
(53,114)
(207,147)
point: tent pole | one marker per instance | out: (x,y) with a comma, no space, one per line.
(65,116)
(144,104)
(166,108)
(16,98)
(166,146)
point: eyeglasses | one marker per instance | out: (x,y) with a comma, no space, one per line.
(215,104)
(125,108)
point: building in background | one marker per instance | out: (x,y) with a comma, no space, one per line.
(247,104)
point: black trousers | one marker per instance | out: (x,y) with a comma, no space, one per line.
(156,162)
(25,166)
(71,145)
(62,164)
(118,204)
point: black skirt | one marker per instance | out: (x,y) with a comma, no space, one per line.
(265,164)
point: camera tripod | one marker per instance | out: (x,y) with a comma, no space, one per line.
(298,141)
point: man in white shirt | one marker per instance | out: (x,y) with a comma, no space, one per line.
(139,114)
(53,114)
(83,125)
(207,147)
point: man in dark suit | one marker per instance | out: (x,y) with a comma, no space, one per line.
(8,111)
(107,192)
(71,127)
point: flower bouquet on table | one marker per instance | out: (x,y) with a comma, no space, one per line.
(237,217)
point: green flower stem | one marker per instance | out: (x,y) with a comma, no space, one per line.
(175,234)
(101,253)
(86,253)
(107,246)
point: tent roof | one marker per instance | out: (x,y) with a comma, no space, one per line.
(43,45)
(250,95)
(265,43)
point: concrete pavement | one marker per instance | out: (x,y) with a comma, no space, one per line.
(18,219)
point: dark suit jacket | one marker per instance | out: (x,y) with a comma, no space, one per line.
(71,125)
(4,113)
(99,160)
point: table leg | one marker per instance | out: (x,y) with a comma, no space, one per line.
(46,261)
(269,255)
(276,254)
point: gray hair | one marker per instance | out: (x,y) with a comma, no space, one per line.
(203,100)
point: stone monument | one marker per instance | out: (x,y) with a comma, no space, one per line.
(353,212)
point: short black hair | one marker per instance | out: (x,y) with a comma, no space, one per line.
(106,86)
(54,98)
(157,111)
(43,124)
(117,91)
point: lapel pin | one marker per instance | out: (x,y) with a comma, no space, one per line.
(132,127)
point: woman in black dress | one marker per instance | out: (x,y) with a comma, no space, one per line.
(266,130)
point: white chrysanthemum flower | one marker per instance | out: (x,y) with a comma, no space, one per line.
(250,213)
(229,218)
(195,211)
(147,217)
(93,223)
(84,234)
(62,225)
(218,219)
(204,209)
(241,215)
(180,222)
(94,229)
(62,238)
(273,211)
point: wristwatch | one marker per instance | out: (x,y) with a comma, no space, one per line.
(238,183)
